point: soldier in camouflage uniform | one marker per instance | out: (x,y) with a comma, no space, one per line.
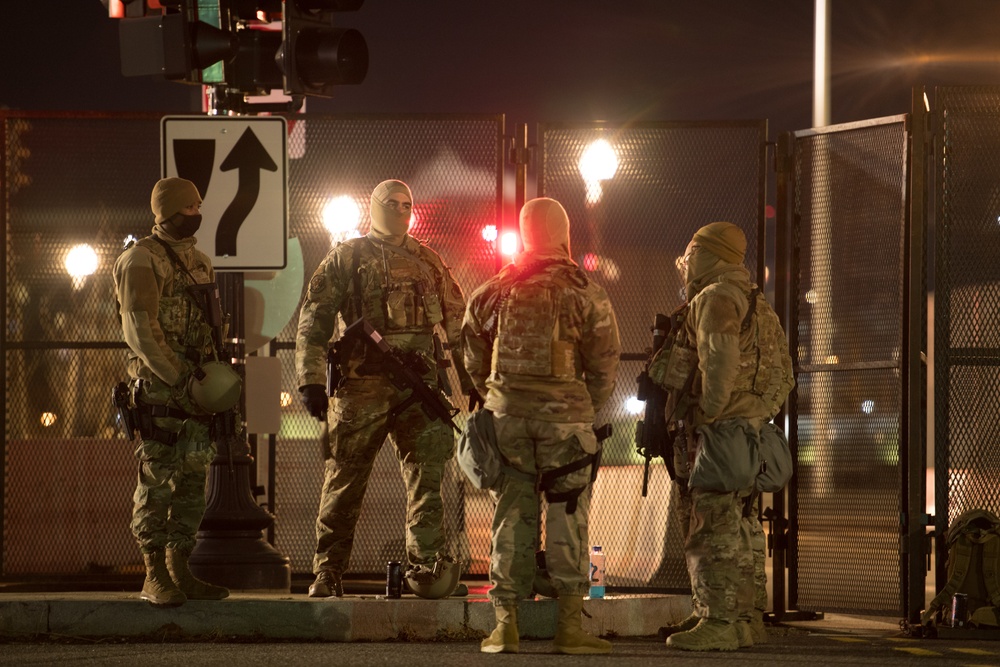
(404,289)
(541,344)
(168,338)
(728,363)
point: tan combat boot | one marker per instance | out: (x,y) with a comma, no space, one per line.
(504,638)
(757,627)
(328,584)
(709,635)
(570,637)
(159,589)
(683,626)
(194,588)
(744,634)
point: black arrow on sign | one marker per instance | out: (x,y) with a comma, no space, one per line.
(249,156)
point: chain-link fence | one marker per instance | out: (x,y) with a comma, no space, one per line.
(85,180)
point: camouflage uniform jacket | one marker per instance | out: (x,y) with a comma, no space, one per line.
(554,350)
(737,371)
(404,292)
(163,326)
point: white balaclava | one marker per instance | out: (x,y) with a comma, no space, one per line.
(545,227)
(389,224)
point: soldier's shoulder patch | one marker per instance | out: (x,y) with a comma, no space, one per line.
(317,283)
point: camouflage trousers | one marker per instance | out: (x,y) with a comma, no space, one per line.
(725,555)
(169,500)
(359,424)
(535,446)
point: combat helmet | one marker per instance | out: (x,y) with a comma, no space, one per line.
(435,581)
(215,386)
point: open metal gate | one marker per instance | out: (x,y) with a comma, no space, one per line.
(845,215)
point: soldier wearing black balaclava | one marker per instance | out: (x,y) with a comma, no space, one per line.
(169,339)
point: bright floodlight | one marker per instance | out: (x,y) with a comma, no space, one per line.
(634,406)
(508,243)
(598,162)
(81,261)
(490,233)
(341,217)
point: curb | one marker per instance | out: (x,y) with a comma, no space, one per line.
(348,619)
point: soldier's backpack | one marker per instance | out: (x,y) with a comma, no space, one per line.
(973,568)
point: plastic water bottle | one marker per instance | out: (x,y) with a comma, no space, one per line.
(596,572)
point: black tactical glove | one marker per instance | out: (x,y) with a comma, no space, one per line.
(475,400)
(314,397)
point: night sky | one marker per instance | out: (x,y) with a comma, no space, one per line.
(560,60)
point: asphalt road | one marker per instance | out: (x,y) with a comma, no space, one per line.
(788,645)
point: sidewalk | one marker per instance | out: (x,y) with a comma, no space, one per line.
(283,616)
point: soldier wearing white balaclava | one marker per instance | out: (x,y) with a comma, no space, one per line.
(541,344)
(406,292)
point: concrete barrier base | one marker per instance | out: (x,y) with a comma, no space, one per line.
(295,617)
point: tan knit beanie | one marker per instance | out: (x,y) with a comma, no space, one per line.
(724,240)
(170,195)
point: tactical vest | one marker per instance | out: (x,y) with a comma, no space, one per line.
(395,289)
(534,332)
(182,321)
(761,365)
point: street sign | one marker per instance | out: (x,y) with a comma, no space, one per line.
(239,165)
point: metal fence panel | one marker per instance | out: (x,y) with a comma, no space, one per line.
(967,306)
(850,212)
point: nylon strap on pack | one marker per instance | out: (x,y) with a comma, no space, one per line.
(547,479)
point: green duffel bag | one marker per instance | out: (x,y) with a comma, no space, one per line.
(727,458)
(775,459)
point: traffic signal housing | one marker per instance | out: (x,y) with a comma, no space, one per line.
(315,56)
(174,43)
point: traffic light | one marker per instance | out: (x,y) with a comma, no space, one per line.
(254,70)
(175,42)
(314,55)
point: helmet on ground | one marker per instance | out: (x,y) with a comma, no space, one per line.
(435,580)
(215,386)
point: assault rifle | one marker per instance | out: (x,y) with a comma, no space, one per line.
(652,437)
(406,371)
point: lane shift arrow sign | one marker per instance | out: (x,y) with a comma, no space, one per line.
(248,156)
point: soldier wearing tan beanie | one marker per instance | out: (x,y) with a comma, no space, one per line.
(727,372)
(168,338)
